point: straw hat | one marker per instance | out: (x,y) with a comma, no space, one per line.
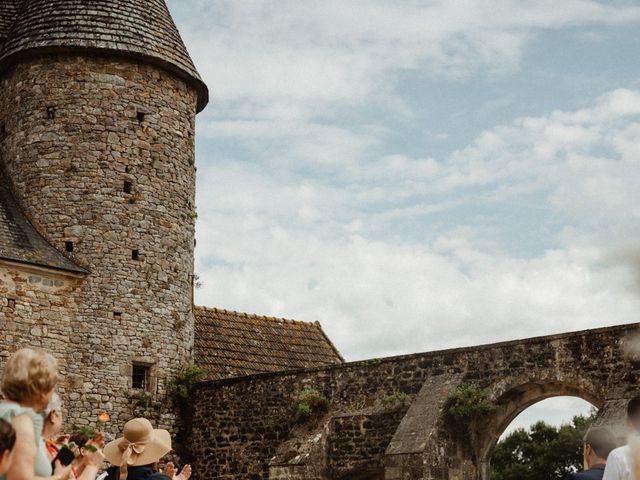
(141,444)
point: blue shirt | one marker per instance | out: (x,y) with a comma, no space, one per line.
(594,473)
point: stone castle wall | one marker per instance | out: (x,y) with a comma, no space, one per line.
(34,308)
(247,428)
(100,152)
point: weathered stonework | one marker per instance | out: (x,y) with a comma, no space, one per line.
(34,303)
(100,152)
(247,428)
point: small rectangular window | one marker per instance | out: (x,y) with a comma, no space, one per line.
(140,116)
(135,254)
(117,315)
(68,246)
(140,377)
(51,112)
(126,188)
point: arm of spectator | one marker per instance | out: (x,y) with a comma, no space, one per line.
(24,450)
(92,463)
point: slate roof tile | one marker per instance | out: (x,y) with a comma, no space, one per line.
(143,28)
(20,242)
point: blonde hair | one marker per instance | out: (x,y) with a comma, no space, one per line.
(28,373)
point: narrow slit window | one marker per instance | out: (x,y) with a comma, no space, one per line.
(135,254)
(68,246)
(51,112)
(127,187)
(140,377)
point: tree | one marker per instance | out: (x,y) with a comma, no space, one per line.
(542,451)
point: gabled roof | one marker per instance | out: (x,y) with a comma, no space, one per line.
(20,242)
(232,344)
(140,28)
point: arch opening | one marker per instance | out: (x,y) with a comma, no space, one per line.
(515,401)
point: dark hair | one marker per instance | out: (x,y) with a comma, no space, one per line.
(601,440)
(633,412)
(7,436)
(79,438)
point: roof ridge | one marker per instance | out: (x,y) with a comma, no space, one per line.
(314,323)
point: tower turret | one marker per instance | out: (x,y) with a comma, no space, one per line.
(97,137)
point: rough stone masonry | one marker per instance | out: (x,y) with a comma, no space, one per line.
(97,131)
(387,418)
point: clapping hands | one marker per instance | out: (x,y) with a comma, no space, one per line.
(171,471)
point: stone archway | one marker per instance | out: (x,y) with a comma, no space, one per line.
(513,402)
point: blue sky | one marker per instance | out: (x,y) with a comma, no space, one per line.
(419,175)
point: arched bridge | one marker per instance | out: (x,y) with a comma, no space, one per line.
(387,418)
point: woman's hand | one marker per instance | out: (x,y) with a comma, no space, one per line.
(61,472)
(169,469)
(97,440)
(184,474)
(94,458)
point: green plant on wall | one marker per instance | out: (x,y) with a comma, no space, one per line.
(181,390)
(397,397)
(144,404)
(182,384)
(468,401)
(310,401)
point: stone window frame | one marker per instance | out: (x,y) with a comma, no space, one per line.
(150,365)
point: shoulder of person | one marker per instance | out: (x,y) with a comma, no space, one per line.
(620,452)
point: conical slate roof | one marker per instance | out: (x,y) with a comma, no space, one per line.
(8,9)
(140,28)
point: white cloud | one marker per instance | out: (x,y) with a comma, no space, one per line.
(298,245)
(336,54)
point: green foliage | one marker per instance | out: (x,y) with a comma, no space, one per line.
(310,401)
(183,383)
(181,389)
(396,397)
(468,401)
(542,451)
(143,404)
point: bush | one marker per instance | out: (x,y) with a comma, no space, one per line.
(187,377)
(468,401)
(310,401)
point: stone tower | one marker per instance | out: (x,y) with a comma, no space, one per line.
(97,116)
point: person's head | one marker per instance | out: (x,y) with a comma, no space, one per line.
(80,439)
(633,414)
(29,378)
(7,440)
(598,442)
(140,445)
(52,415)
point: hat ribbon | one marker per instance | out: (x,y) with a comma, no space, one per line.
(131,450)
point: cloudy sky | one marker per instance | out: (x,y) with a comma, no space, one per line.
(421,174)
